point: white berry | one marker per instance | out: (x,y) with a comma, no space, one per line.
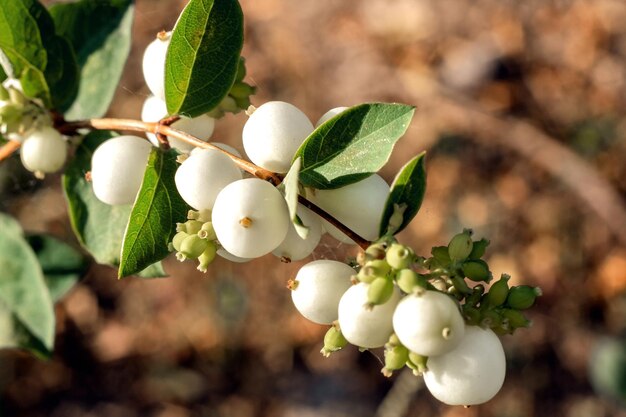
(44,151)
(273,134)
(330,114)
(293,247)
(117,168)
(318,287)
(154,64)
(428,323)
(368,196)
(250,218)
(471,374)
(155,109)
(203,175)
(367,327)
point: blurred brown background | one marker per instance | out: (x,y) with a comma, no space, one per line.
(521,107)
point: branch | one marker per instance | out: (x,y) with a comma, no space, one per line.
(8,149)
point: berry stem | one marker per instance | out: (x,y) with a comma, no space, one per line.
(8,149)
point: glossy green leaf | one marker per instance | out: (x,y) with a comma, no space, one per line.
(290,189)
(407,192)
(203,56)
(153,271)
(152,222)
(100,33)
(32,52)
(23,291)
(352,145)
(62,265)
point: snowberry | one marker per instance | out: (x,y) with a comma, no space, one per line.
(472,373)
(361,324)
(155,109)
(154,64)
(203,175)
(273,134)
(317,288)
(330,114)
(250,217)
(44,151)
(117,168)
(293,247)
(369,195)
(428,323)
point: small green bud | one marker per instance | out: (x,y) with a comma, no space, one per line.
(441,255)
(193,226)
(397,218)
(399,256)
(229,104)
(478,248)
(460,246)
(333,341)
(241,90)
(474,298)
(472,315)
(193,246)
(407,280)
(379,291)
(242,102)
(207,231)
(376,268)
(490,318)
(417,362)
(393,340)
(515,318)
(207,257)
(376,251)
(522,297)
(177,240)
(476,270)
(395,358)
(460,285)
(498,292)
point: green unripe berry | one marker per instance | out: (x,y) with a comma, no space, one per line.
(377,268)
(460,285)
(393,340)
(379,291)
(241,69)
(375,251)
(471,315)
(241,90)
(478,248)
(460,247)
(333,341)
(474,298)
(498,292)
(207,231)
(193,246)
(476,270)
(515,319)
(395,358)
(491,319)
(522,297)
(193,226)
(399,256)
(417,363)
(407,280)
(207,256)
(177,240)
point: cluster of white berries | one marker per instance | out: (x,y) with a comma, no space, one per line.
(43,149)
(424,329)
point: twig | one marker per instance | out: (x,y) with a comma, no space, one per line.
(8,149)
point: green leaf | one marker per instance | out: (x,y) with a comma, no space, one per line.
(62,265)
(100,33)
(407,192)
(352,145)
(43,62)
(3,75)
(153,271)
(290,189)
(98,226)
(8,225)
(23,291)
(203,56)
(152,222)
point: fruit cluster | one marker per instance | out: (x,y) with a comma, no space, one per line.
(421,310)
